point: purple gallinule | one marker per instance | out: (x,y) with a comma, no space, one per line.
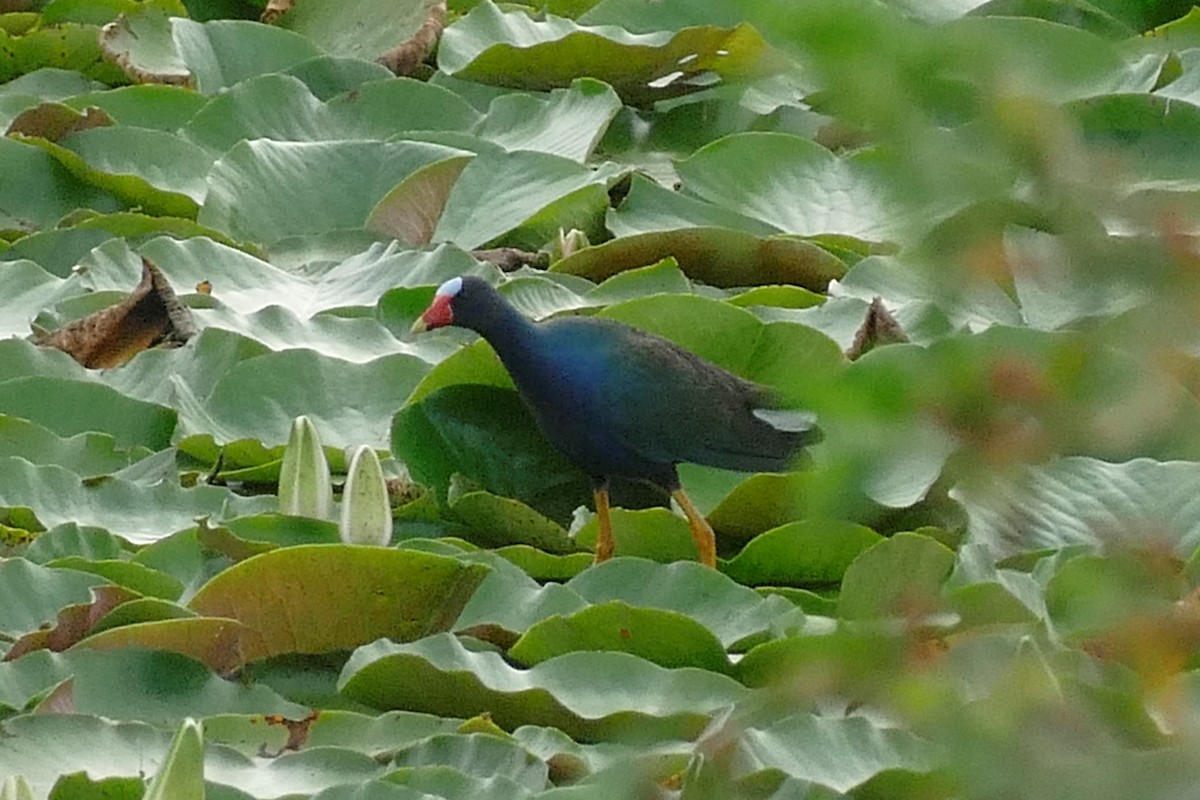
(618,401)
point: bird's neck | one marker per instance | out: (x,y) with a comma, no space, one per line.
(508,332)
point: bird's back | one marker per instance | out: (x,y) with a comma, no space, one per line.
(622,401)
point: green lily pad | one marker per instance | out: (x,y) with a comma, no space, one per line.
(142,609)
(153,170)
(39,191)
(653,533)
(498,192)
(666,638)
(792,184)
(135,513)
(800,553)
(511,49)
(156,107)
(568,123)
(399,594)
(363,29)
(244,187)
(222,53)
(495,521)
(72,539)
(735,614)
(717,256)
(72,407)
(897,575)
(349,403)
(477,754)
(511,601)
(1080,501)
(586,695)
(853,750)
(141,579)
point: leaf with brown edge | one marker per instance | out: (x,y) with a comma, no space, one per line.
(74,622)
(53,121)
(218,643)
(108,338)
(61,700)
(879,328)
(142,46)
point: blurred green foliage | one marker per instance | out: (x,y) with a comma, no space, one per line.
(963,233)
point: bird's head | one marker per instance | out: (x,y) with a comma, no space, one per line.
(441,311)
(459,301)
(469,302)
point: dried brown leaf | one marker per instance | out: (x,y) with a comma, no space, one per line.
(879,328)
(509,259)
(406,57)
(274,10)
(151,315)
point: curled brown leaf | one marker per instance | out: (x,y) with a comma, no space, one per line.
(151,315)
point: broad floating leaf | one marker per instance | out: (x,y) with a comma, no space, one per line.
(246,184)
(499,192)
(148,169)
(213,642)
(142,46)
(897,576)
(800,553)
(587,695)
(486,434)
(1084,501)
(138,514)
(38,191)
(134,683)
(363,29)
(70,407)
(32,594)
(494,521)
(88,455)
(840,753)
(735,614)
(792,184)
(321,598)
(569,123)
(222,53)
(512,49)
(667,638)
(717,256)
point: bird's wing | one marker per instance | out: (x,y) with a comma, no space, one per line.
(669,406)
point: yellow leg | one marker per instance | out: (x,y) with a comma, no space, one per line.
(702,532)
(604,540)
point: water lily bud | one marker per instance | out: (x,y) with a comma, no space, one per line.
(181,776)
(16,788)
(567,243)
(366,513)
(305,486)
